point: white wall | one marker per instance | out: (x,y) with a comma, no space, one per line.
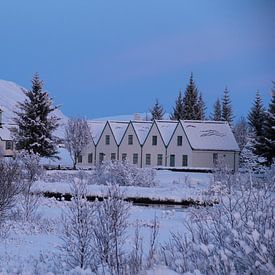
(135,148)
(90,148)
(106,149)
(154,150)
(179,151)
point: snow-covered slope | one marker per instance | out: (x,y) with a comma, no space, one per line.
(11,94)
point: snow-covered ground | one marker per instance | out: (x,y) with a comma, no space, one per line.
(31,247)
(170,186)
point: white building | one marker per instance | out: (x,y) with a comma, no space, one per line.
(198,144)
(6,143)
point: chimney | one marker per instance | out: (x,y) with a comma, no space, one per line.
(137,116)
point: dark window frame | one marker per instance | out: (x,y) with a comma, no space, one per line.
(179,140)
(107,139)
(130,139)
(154,140)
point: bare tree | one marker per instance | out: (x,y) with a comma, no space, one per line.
(110,230)
(10,185)
(77,136)
(153,243)
(78,223)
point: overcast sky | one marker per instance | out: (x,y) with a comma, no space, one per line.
(102,58)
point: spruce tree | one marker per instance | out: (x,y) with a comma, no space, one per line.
(217,115)
(157,111)
(227,112)
(201,108)
(35,122)
(265,144)
(256,116)
(178,111)
(191,104)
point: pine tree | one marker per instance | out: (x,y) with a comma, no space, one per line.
(256,116)
(157,111)
(191,105)
(217,115)
(36,122)
(227,113)
(201,108)
(265,144)
(178,111)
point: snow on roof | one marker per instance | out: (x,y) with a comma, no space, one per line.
(118,128)
(166,128)
(142,129)
(96,128)
(210,135)
(5,133)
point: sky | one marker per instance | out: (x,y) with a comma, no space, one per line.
(102,58)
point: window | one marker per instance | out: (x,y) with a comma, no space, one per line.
(113,156)
(179,140)
(9,145)
(215,159)
(172,160)
(148,159)
(90,158)
(79,159)
(154,140)
(124,156)
(130,139)
(101,157)
(160,157)
(107,139)
(135,158)
(184,160)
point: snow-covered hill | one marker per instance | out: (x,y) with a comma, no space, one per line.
(11,94)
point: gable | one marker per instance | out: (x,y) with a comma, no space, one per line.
(142,130)
(166,129)
(96,129)
(118,128)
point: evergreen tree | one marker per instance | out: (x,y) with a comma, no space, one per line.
(191,101)
(36,122)
(256,116)
(217,115)
(201,108)
(227,112)
(265,144)
(157,111)
(178,111)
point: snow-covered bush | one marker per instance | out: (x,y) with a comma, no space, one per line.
(237,236)
(124,174)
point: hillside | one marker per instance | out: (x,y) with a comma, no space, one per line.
(11,94)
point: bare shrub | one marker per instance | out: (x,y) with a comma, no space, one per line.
(110,230)
(78,228)
(31,170)
(10,185)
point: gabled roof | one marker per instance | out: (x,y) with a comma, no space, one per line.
(142,129)
(210,135)
(118,128)
(166,129)
(5,133)
(96,128)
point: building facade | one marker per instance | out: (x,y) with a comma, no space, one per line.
(197,144)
